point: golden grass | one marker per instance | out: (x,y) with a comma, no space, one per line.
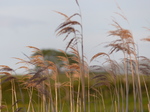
(42,79)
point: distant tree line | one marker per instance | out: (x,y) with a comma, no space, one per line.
(52,55)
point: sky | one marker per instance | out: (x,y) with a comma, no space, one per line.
(33,23)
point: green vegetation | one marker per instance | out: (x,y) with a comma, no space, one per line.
(119,88)
(53,56)
(96,103)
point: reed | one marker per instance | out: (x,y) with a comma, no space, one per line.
(41,88)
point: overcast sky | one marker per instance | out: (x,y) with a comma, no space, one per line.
(33,23)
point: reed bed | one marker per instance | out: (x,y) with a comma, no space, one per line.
(117,88)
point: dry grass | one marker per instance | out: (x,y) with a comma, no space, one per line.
(41,78)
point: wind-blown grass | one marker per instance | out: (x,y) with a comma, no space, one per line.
(42,89)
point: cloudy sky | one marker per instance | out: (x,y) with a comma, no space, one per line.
(33,23)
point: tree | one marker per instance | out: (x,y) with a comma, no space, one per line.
(52,55)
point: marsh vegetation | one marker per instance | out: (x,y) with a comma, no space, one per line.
(41,88)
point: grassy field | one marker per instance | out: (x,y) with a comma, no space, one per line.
(101,99)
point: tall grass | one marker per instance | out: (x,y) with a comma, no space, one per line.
(42,89)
